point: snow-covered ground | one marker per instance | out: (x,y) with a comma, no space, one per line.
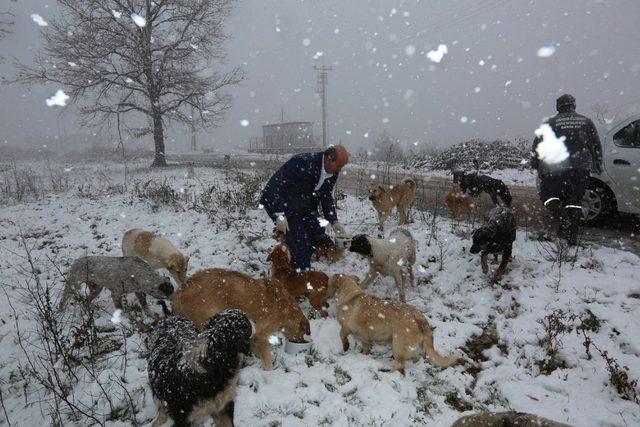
(327,386)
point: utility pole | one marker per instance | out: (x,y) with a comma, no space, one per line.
(193,130)
(322,90)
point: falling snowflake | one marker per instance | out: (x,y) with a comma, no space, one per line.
(323,222)
(116,14)
(60,99)
(438,54)
(546,51)
(140,21)
(306,42)
(318,55)
(244,123)
(72,64)
(410,50)
(274,340)
(39,20)
(117,317)
(464,119)
(552,149)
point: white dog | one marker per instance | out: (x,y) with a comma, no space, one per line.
(393,256)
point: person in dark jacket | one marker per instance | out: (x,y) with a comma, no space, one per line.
(293,194)
(564,179)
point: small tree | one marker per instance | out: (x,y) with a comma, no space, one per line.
(148,58)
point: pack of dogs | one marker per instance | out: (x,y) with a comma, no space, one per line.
(218,316)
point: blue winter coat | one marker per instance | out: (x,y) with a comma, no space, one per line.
(292,189)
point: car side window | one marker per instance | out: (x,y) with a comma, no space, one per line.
(628,136)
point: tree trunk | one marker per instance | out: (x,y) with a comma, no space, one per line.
(158,138)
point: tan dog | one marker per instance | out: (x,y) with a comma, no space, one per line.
(399,197)
(311,284)
(372,320)
(325,248)
(458,203)
(265,302)
(157,251)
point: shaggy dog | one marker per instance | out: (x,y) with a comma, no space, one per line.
(474,184)
(265,302)
(399,197)
(194,373)
(373,320)
(157,251)
(311,284)
(458,203)
(393,256)
(495,236)
(121,275)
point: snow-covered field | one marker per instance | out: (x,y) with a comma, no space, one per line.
(327,386)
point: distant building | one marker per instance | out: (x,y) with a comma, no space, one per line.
(289,137)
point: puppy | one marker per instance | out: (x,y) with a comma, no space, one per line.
(311,284)
(474,184)
(399,197)
(121,275)
(393,256)
(157,251)
(373,320)
(265,302)
(495,236)
(193,374)
(328,250)
(458,203)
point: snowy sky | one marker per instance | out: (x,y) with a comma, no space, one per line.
(490,84)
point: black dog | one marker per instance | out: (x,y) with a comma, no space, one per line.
(474,184)
(496,236)
(193,373)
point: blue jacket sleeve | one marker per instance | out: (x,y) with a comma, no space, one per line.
(280,185)
(328,204)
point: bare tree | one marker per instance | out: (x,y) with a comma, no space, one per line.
(149,59)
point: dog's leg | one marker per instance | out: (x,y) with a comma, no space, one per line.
(366,347)
(483,262)
(117,299)
(162,416)
(225,417)
(369,278)
(94,291)
(344,337)
(142,299)
(261,346)
(506,255)
(400,284)
(316,300)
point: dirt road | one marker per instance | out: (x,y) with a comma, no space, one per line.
(620,231)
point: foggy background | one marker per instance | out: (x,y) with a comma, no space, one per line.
(491,76)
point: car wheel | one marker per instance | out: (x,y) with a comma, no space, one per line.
(598,202)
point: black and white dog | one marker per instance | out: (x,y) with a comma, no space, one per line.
(474,184)
(495,236)
(194,373)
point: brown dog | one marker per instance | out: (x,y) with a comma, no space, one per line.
(157,251)
(312,284)
(325,249)
(399,197)
(265,302)
(458,203)
(371,319)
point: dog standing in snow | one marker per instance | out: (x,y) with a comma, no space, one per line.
(121,275)
(393,256)
(374,320)
(458,203)
(399,197)
(495,236)
(194,373)
(157,251)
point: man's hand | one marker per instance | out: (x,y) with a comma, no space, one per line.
(281,222)
(339,229)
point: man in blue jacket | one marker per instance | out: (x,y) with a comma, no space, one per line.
(292,195)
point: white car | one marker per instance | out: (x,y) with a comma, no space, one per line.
(617,189)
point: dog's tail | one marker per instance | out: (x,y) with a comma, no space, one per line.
(410,182)
(427,341)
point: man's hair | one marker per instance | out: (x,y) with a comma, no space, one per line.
(331,153)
